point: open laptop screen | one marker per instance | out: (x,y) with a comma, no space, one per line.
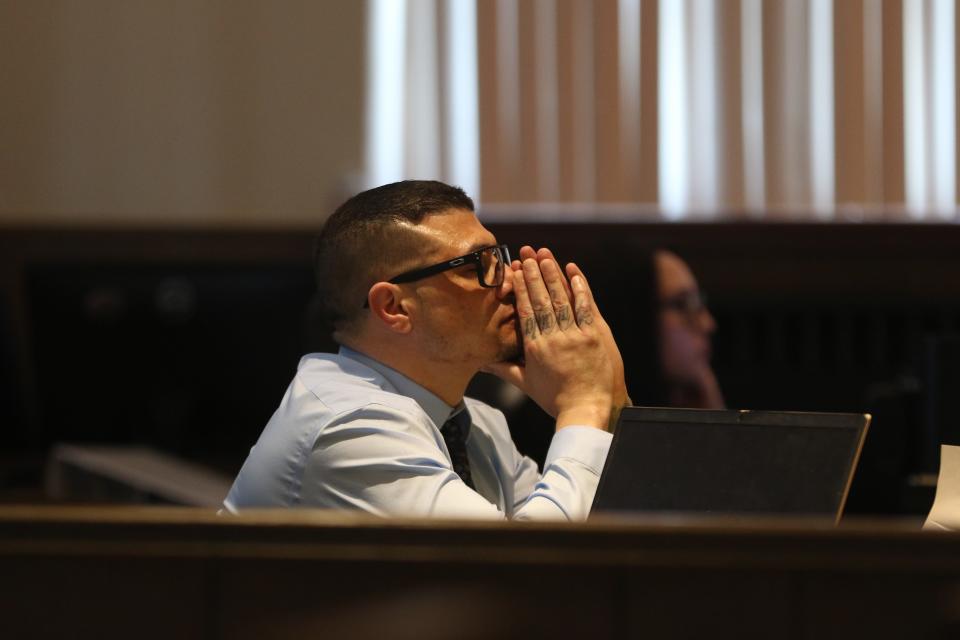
(730,462)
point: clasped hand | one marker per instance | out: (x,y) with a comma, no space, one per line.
(568,367)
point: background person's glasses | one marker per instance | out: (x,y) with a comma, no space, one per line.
(688,303)
(489,262)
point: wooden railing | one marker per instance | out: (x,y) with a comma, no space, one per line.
(186,573)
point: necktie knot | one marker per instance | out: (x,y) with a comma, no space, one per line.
(455,432)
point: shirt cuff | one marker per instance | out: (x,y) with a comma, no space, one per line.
(586,445)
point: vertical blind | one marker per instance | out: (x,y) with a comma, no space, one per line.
(773,109)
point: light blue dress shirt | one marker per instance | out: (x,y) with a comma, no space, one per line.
(352,433)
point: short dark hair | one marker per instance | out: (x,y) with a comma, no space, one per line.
(364,242)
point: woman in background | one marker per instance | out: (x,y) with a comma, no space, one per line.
(665,336)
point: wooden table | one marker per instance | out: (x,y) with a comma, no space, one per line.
(142,572)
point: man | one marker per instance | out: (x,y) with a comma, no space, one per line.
(421,297)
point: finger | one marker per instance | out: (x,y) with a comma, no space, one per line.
(539,296)
(557,289)
(574,270)
(585,310)
(543,253)
(516,266)
(546,254)
(527,253)
(525,313)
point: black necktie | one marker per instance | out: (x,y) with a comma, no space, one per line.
(455,432)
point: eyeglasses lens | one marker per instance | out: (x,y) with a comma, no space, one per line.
(690,303)
(491,267)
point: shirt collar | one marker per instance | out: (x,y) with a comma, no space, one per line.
(437,410)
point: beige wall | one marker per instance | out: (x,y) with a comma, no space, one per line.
(178,112)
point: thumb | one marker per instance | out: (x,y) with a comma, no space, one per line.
(508,372)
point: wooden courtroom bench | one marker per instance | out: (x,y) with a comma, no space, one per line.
(144,572)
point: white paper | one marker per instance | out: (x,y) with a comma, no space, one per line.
(945,513)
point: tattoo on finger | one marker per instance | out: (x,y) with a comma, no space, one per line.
(545,320)
(584,315)
(530,327)
(563,317)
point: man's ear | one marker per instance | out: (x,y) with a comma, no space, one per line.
(387,304)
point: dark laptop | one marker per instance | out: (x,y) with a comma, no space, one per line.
(730,462)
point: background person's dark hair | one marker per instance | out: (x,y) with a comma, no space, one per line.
(366,240)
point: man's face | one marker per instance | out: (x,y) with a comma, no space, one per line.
(457,319)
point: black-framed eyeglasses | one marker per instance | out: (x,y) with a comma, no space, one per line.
(489,262)
(687,303)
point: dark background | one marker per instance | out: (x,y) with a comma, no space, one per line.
(186,340)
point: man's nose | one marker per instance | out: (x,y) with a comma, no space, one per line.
(506,288)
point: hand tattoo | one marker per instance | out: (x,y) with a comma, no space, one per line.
(584,315)
(545,320)
(563,316)
(529,327)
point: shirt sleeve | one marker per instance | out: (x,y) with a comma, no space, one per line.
(570,476)
(381,460)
